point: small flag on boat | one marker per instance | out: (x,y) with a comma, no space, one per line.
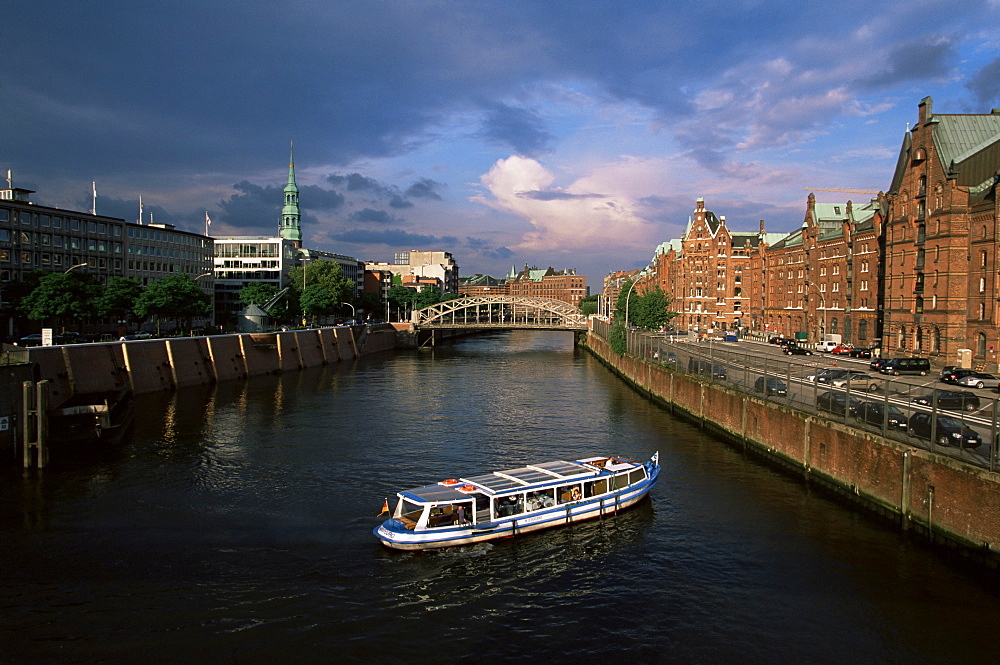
(385,508)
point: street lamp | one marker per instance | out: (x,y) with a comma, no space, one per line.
(78,265)
(353,311)
(822,304)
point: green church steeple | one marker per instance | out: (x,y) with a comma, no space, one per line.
(290,228)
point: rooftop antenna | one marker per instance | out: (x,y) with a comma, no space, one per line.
(93,198)
(9,186)
(140,208)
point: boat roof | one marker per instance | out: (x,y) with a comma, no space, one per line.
(532,476)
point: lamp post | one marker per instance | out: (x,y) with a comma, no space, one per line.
(78,265)
(354,314)
(305,264)
(822,304)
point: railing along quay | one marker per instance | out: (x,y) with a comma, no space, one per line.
(759,372)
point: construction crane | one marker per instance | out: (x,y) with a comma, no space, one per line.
(847,191)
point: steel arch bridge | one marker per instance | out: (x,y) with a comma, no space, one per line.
(500,312)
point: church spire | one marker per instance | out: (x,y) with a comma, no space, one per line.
(289,227)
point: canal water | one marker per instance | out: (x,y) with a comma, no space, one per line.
(235,526)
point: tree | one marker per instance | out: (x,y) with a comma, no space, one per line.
(118,298)
(589,305)
(624,301)
(329,280)
(258,293)
(177,297)
(371,305)
(61,296)
(650,310)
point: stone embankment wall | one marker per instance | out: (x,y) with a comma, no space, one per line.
(935,495)
(168,364)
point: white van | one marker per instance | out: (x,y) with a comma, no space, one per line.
(827,345)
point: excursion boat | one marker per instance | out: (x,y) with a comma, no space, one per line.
(462,511)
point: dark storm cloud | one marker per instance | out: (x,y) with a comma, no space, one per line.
(523,130)
(985,85)
(370,215)
(393,238)
(425,188)
(921,59)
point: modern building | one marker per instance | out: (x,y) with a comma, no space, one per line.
(35,237)
(423,265)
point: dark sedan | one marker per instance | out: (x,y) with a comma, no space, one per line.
(877,363)
(949,399)
(861,352)
(947,432)
(793,350)
(955,374)
(770,385)
(874,413)
(837,403)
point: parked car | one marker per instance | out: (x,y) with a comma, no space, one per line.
(949,399)
(696,366)
(947,431)
(840,377)
(826,346)
(877,363)
(861,352)
(979,380)
(35,339)
(874,413)
(776,340)
(793,350)
(837,403)
(841,350)
(955,374)
(770,385)
(897,366)
(135,336)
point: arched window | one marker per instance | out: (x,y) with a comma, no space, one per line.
(982,311)
(982,256)
(862,330)
(900,337)
(919,341)
(981,345)
(833,327)
(935,340)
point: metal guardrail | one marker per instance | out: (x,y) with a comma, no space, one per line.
(873,402)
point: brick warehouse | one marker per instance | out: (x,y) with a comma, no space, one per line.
(912,270)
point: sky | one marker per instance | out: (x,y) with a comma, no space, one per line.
(570,134)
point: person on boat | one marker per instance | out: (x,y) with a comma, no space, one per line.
(461,514)
(575,494)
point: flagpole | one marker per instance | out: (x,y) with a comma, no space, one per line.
(93,201)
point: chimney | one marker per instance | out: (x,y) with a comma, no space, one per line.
(926,109)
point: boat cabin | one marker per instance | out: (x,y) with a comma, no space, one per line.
(501,495)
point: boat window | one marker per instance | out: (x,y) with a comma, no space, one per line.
(408,510)
(569,493)
(512,504)
(618,482)
(448,514)
(595,487)
(540,499)
(636,476)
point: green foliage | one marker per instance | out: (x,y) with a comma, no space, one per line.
(331,287)
(176,297)
(61,296)
(650,309)
(400,297)
(118,298)
(257,293)
(370,304)
(589,305)
(319,301)
(646,310)
(617,338)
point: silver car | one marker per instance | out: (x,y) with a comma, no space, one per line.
(979,380)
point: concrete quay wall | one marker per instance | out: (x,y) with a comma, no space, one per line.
(168,364)
(940,497)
